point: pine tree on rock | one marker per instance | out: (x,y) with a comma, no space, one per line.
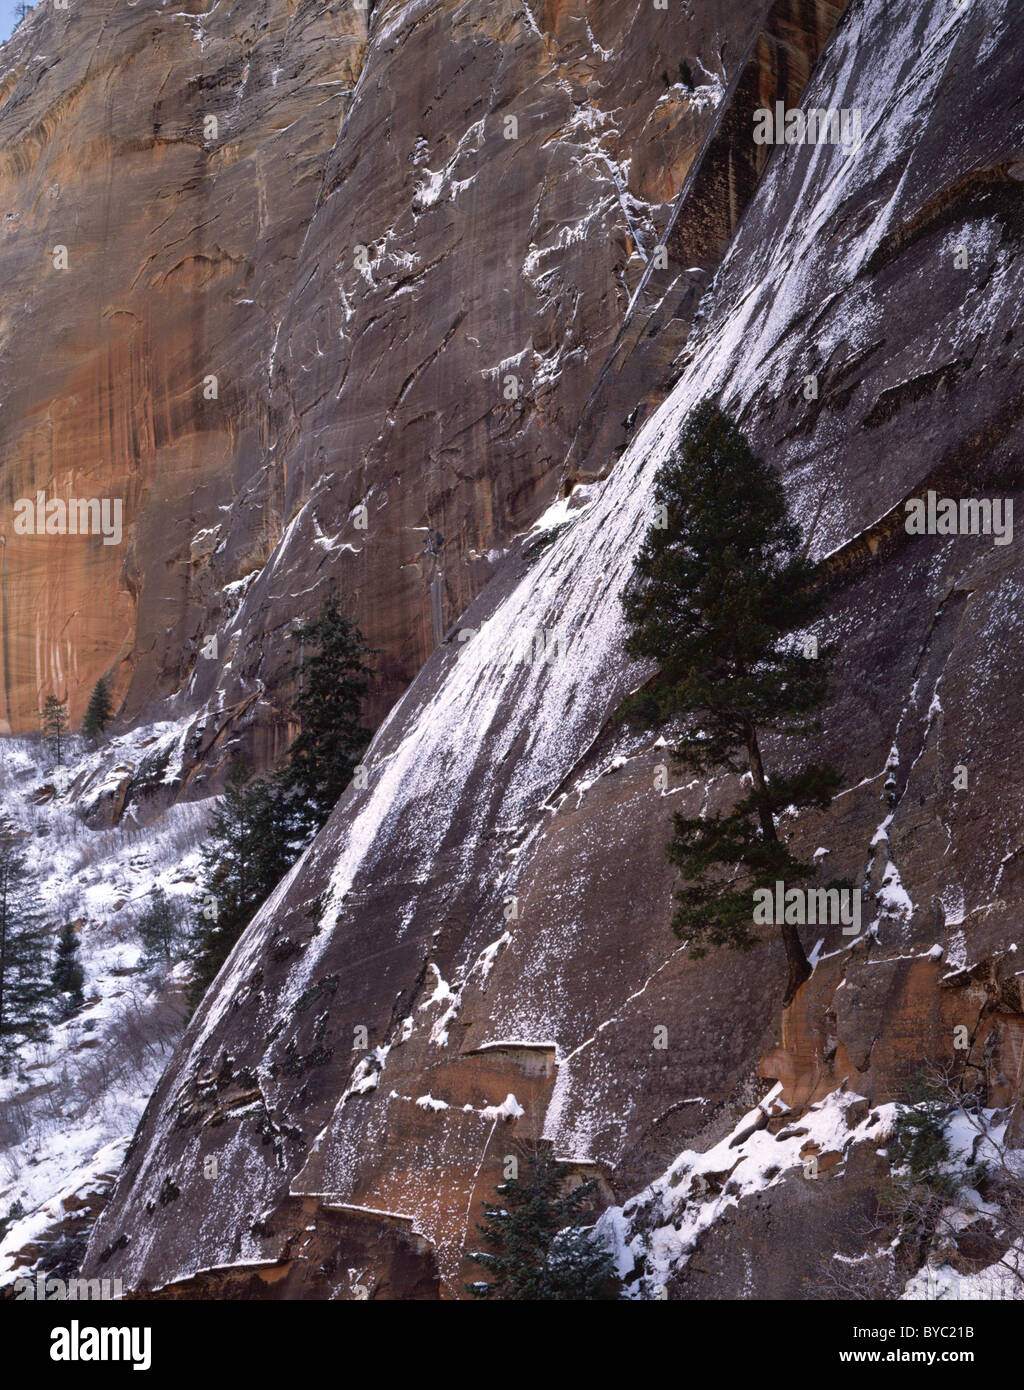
(333,678)
(98,713)
(246,856)
(68,976)
(537,1250)
(24,987)
(159,928)
(55,726)
(714,599)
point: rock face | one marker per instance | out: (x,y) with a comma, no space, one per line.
(475,951)
(399,236)
(179,247)
(486,212)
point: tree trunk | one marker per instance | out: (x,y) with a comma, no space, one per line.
(796,957)
(799,965)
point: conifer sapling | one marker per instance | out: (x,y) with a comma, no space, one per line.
(159,928)
(333,676)
(68,976)
(24,987)
(98,713)
(714,599)
(537,1249)
(246,855)
(55,726)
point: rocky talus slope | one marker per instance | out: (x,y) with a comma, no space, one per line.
(493,908)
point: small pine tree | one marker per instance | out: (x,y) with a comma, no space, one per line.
(247,854)
(537,1249)
(98,712)
(24,988)
(159,928)
(55,726)
(923,1194)
(713,599)
(14,1213)
(68,976)
(919,1147)
(333,677)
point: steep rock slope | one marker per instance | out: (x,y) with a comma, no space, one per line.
(493,908)
(199,230)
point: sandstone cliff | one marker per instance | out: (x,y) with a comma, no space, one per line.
(404,301)
(493,908)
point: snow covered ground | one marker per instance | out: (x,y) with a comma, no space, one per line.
(70,1105)
(656,1233)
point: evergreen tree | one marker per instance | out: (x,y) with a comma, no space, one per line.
(333,675)
(98,712)
(537,1249)
(922,1198)
(713,599)
(68,976)
(14,1213)
(159,928)
(55,726)
(247,855)
(23,984)
(919,1146)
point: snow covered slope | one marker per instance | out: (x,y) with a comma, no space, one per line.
(70,1104)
